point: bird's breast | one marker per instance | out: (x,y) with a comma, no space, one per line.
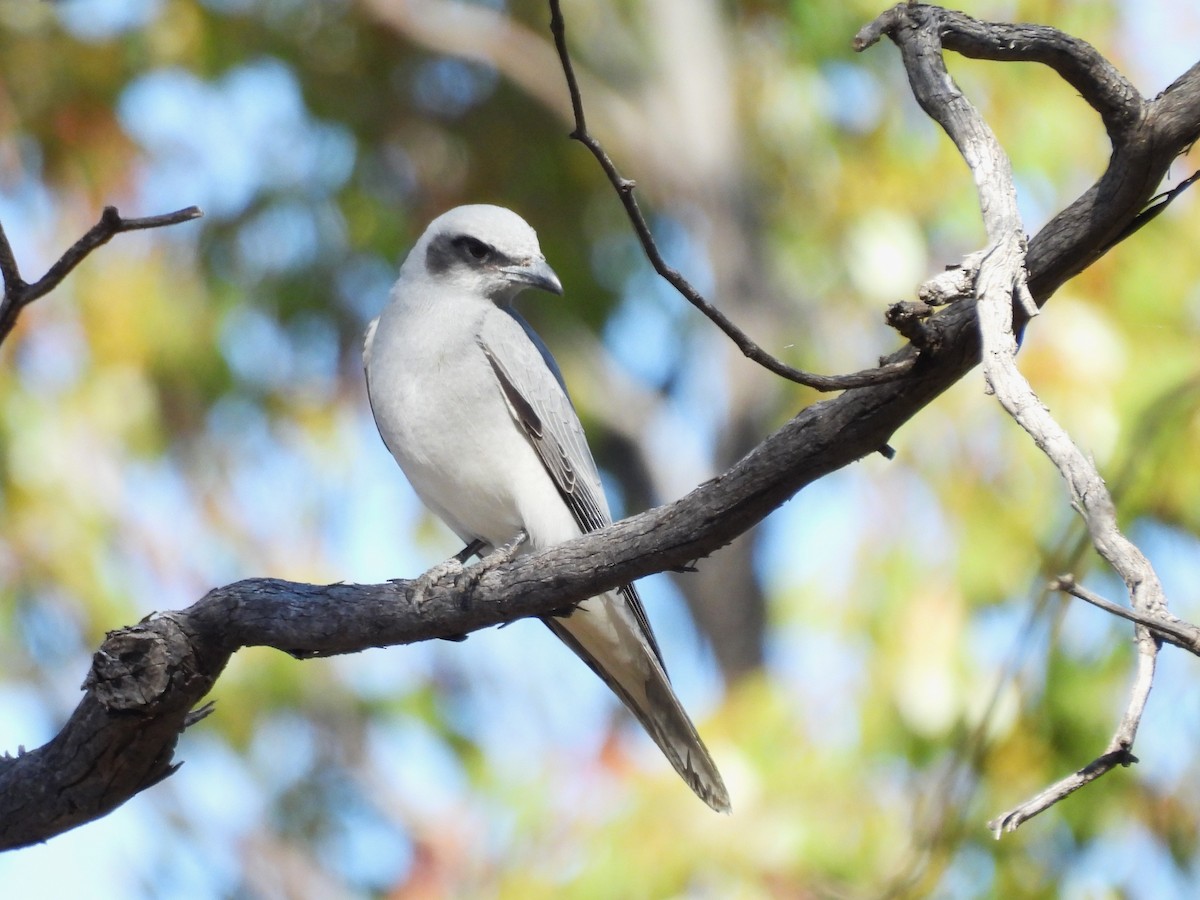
(442,416)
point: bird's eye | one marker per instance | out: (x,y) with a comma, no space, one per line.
(476,248)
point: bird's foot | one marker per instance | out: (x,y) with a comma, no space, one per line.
(456,565)
(425,582)
(498,557)
(503,554)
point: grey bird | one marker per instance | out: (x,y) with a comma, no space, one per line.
(473,407)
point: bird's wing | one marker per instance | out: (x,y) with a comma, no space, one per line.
(611,635)
(368,347)
(533,388)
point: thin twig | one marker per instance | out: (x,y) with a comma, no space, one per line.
(1181,633)
(19,293)
(625,190)
(1101,765)
(8,265)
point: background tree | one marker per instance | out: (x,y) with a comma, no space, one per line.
(188,410)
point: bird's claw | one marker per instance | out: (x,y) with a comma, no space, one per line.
(424,583)
(503,554)
(456,565)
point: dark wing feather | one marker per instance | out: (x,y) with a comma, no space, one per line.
(532,386)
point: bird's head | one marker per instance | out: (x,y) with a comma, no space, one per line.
(488,250)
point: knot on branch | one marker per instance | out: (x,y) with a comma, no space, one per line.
(1122,755)
(956,282)
(140,669)
(908,318)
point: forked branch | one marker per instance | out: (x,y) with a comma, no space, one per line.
(19,293)
(922,34)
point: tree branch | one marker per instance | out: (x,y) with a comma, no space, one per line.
(1156,205)
(1169,628)
(1079,64)
(145,679)
(1001,278)
(19,293)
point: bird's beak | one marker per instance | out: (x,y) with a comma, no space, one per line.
(537,273)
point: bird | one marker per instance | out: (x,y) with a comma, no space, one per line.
(473,407)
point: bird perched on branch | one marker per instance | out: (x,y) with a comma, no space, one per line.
(473,407)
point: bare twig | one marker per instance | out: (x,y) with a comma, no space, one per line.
(1172,629)
(1060,790)
(624,187)
(19,293)
(1001,279)
(1147,136)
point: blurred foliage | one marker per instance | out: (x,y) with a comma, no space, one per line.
(187,409)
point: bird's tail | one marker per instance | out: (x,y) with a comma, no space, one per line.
(606,635)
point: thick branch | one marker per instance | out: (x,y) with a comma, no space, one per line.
(145,679)
(1147,136)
